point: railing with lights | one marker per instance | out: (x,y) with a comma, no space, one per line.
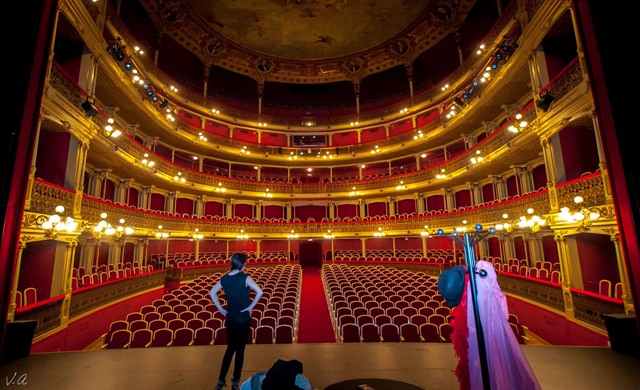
(45,196)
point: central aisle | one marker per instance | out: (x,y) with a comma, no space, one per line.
(314,321)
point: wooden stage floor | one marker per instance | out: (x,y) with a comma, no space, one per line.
(428,366)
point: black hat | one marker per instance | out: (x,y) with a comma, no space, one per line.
(282,375)
(451,285)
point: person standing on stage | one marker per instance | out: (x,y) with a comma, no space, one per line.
(236,286)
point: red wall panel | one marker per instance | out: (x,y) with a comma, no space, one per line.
(347,210)
(38,259)
(371,135)
(191,120)
(344,139)
(406,206)
(213,208)
(242,210)
(273,211)
(157,202)
(51,161)
(245,136)
(217,129)
(435,202)
(274,139)
(377,209)
(317,212)
(184,206)
(463,198)
(597,260)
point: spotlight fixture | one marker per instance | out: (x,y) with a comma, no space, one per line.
(89,108)
(459,102)
(164,104)
(546,98)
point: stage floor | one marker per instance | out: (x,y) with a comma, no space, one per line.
(428,366)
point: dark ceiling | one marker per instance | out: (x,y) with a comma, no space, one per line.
(397,21)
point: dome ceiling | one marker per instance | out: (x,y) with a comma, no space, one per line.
(307,41)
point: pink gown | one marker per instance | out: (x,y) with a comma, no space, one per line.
(508,366)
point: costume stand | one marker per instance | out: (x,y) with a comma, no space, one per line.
(468,244)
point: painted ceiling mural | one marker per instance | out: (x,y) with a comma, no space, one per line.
(307,41)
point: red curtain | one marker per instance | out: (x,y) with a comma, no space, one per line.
(463,198)
(377,208)
(243,210)
(184,206)
(273,211)
(157,202)
(435,202)
(406,206)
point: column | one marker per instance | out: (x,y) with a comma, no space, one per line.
(420,203)
(550,168)
(78,180)
(627,298)
(199,205)
(258,210)
(364,246)
(144,201)
(229,208)
(69,254)
(99,175)
(469,141)
(32,168)
(604,172)
(392,206)
(197,249)
(16,277)
(449,199)
(120,195)
(476,194)
(499,187)
(535,248)
(170,202)
(565,274)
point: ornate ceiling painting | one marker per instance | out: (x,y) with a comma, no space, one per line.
(307,41)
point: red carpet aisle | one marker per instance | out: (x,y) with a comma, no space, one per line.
(314,322)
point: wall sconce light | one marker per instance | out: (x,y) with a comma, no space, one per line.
(584,216)
(104,228)
(379,233)
(56,224)
(160,234)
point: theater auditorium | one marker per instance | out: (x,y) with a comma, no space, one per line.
(353,151)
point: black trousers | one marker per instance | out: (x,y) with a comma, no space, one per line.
(237,335)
